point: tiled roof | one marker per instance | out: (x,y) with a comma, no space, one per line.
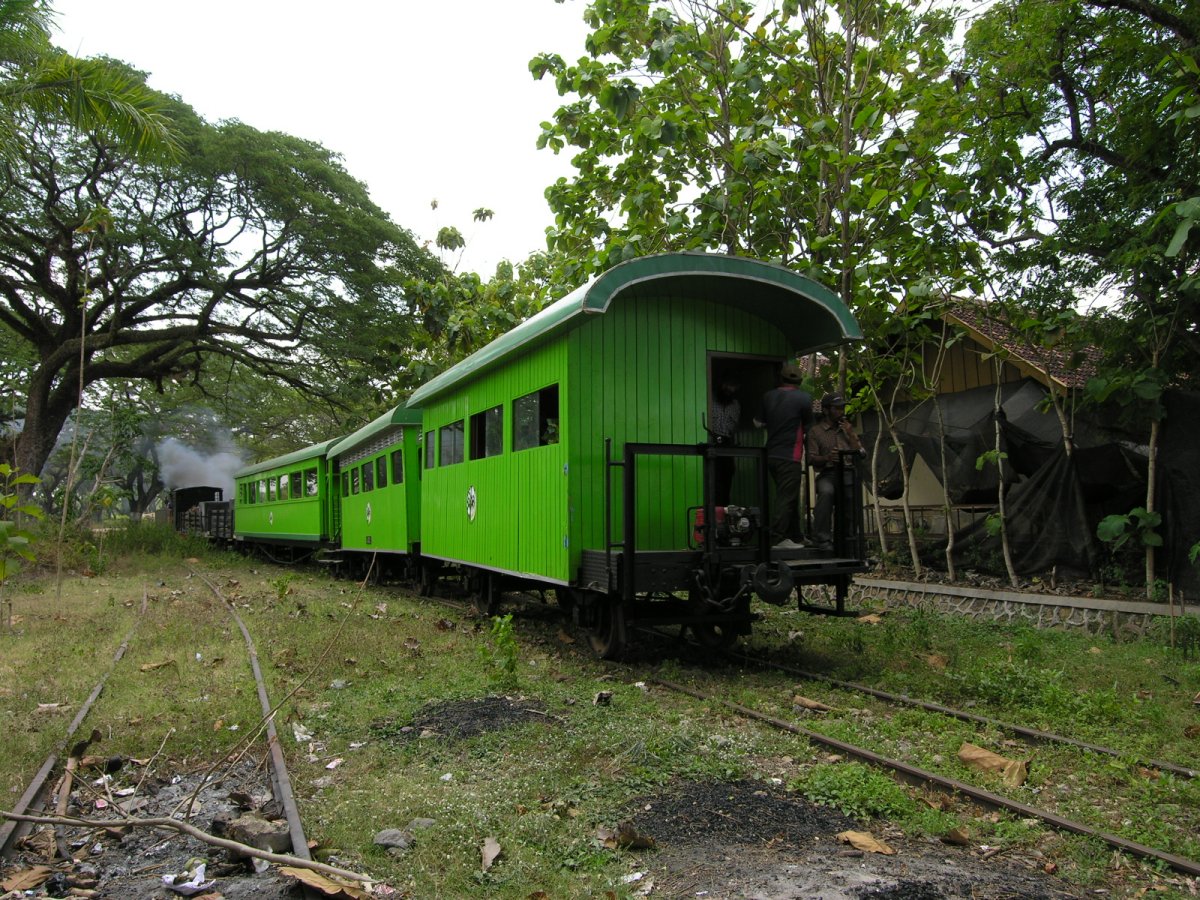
(1071,370)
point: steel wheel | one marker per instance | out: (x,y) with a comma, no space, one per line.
(713,635)
(607,636)
(484,596)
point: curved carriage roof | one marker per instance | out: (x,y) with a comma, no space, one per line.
(810,316)
(393,417)
(313,452)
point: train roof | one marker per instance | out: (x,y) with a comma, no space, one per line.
(312,452)
(400,415)
(763,289)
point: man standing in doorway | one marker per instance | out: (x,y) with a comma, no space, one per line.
(787,414)
(832,438)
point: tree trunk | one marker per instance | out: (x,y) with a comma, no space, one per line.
(997,415)
(883,542)
(1151,479)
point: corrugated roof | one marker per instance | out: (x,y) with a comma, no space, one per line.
(393,417)
(313,452)
(763,289)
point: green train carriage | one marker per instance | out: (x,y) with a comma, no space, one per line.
(377,493)
(571,452)
(286,503)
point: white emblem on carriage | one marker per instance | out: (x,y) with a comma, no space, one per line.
(472,503)
(368,513)
(271,518)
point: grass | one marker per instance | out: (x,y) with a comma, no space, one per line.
(356,665)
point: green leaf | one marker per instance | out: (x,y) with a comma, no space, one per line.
(1179,238)
(1111,528)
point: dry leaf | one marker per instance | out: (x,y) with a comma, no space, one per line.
(861,840)
(564,638)
(150,667)
(1012,771)
(957,836)
(491,849)
(937,661)
(1095,650)
(1192,731)
(328,884)
(811,704)
(26,879)
(869,619)
(628,838)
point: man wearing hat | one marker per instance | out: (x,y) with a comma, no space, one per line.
(832,436)
(787,414)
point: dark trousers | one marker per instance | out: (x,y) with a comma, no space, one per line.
(723,475)
(826,485)
(788,476)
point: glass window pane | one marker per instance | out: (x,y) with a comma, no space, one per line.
(397,466)
(381,472)
(368,477)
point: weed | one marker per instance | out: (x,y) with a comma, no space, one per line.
(500,655)
(857,790)
(282,585)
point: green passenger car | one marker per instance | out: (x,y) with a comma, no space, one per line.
(378,491)
(286,500)
(519,437)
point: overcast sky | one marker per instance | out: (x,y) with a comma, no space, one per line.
(428,100)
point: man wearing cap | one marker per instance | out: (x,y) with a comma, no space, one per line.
(787,414)
(831,437)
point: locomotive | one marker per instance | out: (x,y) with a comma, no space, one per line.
(571,455)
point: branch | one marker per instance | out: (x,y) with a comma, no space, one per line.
(282,859)
(1155,14)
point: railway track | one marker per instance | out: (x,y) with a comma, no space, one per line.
(33,807)
(924,778)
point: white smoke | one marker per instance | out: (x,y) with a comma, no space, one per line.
(183,467)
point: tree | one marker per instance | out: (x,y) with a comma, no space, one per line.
(94,95)
(1087,113)
(256,249)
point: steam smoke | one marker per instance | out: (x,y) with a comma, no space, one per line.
(183,467)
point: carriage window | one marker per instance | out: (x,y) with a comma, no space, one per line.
(368,477)
(310,482)
(296,488)
(429,457)
(262,491)
(270,489)
(535,419)
(345,484)
(487,433)
(397,466)
(450,439)
(283,487)
(381,472)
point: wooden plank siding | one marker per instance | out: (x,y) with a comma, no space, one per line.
(643,376)
(391,526)
(966,367)
(520,522)
(292,519)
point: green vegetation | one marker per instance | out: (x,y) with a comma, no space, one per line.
(363,665)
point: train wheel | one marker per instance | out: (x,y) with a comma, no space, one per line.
(566,599)
(484,596)
(607,635)
(429,579)
(714,636)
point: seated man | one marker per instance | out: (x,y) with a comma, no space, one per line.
(833,435)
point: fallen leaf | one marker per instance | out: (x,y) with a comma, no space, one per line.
(489,852)
(334,763)
(869,619)
(26,879)
(1192,731)
(218,725)
(628,838)
(811,704)
(328,884)
(150,667)
(564,638)
(957,836)
(1095,650)
(1012,771)
(937,661)
(861,840)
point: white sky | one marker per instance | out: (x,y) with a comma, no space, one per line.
(428,100)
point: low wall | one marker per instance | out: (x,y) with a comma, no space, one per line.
(1093,614)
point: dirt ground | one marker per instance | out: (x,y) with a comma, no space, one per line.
(744,839)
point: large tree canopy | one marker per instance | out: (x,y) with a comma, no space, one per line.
(254,248)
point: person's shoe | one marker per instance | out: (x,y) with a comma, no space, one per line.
(788,544)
